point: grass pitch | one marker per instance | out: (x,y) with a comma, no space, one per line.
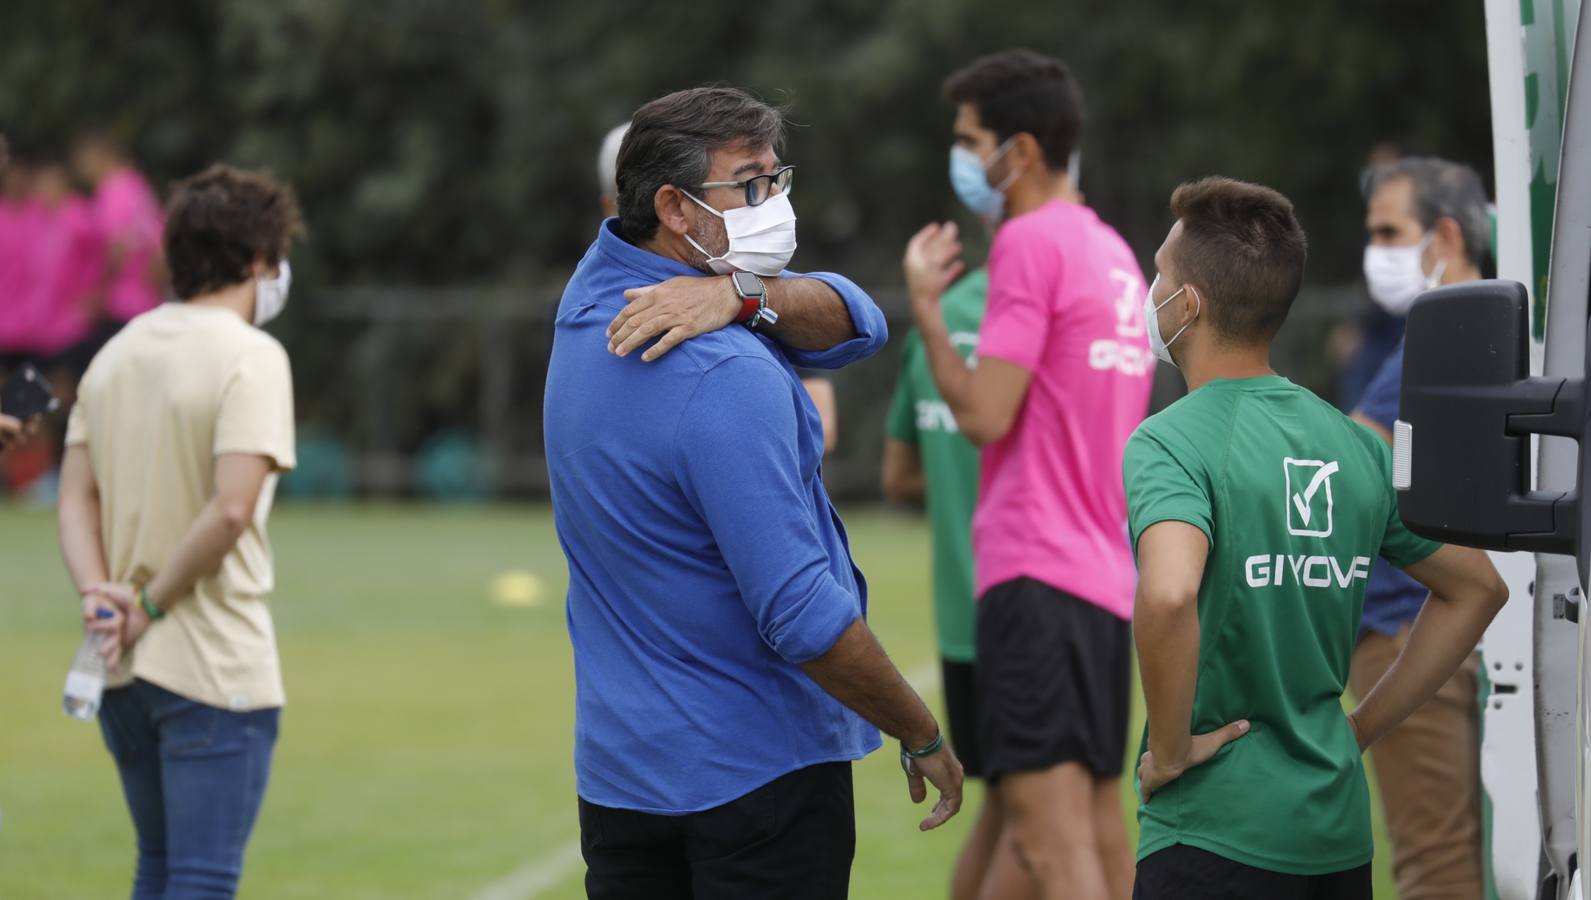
(426,745)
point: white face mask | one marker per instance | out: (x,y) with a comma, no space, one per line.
(270,295)
(1160,346)
(1396,278)
(761,238)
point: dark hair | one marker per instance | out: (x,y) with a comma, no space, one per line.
(671,141)
(1016,91)
(1242,245)
(1444,190)
(220,221)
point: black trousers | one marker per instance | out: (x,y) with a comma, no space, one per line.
(791,838)
(1188,873)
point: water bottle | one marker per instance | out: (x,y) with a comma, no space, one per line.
(85,683)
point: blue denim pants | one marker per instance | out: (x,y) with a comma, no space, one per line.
(194,777)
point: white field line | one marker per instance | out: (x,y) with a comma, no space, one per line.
(563,862)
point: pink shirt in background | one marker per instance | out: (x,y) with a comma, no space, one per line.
(21,223)
(68,261)
(1066,303)
(128,215)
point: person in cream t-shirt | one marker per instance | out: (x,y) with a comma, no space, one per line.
(183,424)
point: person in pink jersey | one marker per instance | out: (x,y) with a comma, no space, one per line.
(21,217)
(69,259)
(128,215)
(1061,378)
(13,431)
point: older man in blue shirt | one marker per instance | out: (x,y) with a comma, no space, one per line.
(725,674)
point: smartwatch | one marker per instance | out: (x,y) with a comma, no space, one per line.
(753,295)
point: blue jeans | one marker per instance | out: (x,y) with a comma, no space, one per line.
(194,777)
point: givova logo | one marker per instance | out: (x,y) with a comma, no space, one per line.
(1309,500)
(1309,510)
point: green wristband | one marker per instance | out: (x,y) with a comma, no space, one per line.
(930,750)
(155,613)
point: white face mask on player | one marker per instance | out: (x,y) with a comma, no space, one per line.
(1158,344)
(270,295)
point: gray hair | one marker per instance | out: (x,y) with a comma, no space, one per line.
(608,161)
(1444,190)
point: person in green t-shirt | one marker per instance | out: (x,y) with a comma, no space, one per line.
(1255,510)
(925,456)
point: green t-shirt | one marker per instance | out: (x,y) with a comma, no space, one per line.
(1296,500)
(918,416)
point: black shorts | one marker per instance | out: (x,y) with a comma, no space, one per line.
(1188,873)
(1054,674)
(792,838)
(961,711)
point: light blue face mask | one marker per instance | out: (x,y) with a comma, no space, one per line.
(969,178)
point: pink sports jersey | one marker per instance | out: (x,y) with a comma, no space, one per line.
(129,218)
(1066,303)
(20,223)
(69,257)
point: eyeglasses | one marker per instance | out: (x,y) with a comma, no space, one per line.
(760,187)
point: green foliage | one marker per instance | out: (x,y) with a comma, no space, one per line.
(444,142)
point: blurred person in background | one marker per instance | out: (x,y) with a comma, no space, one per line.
(127,213)
(1359,346)
(12,430)
(21,219)
(818,387)
(706,559)
(926,458)
(69,253)
(1063,376)
(182,425)
(1250,778)
(1429,226)
(55,280)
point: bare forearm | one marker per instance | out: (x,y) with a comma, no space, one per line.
(210,538)
(858,673)
(1167,638)
(951,374)
(1444,634)
(812,315)
(82,548)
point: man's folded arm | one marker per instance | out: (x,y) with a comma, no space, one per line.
(825,320)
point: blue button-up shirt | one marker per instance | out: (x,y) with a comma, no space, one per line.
(706,562)
(1392,598)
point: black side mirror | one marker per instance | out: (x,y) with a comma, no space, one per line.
(1461,457)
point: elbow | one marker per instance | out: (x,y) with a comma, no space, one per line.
(898,489)
(1494,594)
(1164,604)
(981,430)
(235,517)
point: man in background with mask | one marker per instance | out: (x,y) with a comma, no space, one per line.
(183,423)
(725,674)
(1256,509)
(926,458)
(1428,226)
(1062,378)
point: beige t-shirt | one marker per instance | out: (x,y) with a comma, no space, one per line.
(179,386)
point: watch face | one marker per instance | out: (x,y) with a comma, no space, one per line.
(747,284)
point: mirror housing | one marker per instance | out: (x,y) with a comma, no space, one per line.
(1461,445)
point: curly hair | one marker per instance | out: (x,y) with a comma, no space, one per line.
(220,222)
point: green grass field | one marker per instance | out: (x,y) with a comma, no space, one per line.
(425,748)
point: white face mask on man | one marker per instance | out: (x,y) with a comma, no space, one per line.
(762,238)
(1395,275)
(1157,344)
(270,295)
